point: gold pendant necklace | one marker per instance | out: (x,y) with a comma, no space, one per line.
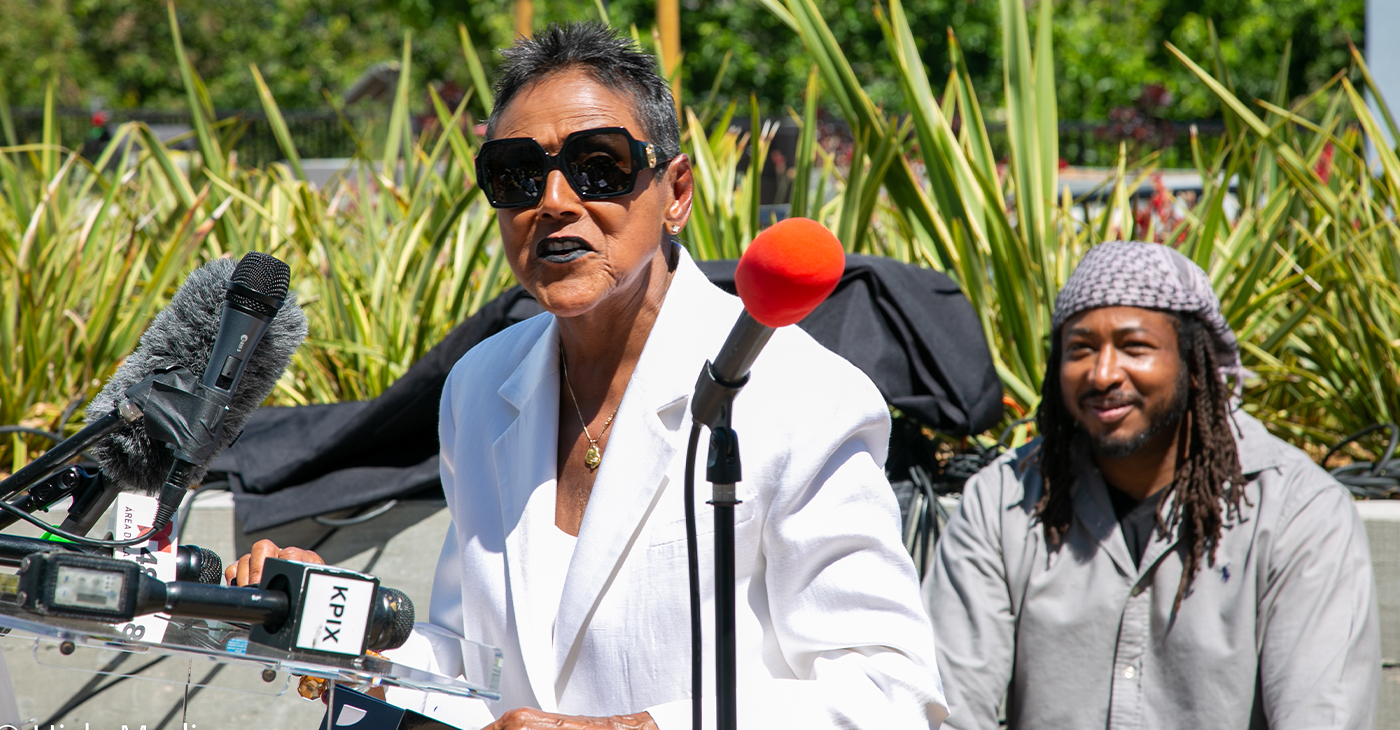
(594,456)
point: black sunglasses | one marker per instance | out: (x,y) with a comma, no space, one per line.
(598,163)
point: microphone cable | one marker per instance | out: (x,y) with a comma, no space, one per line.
(53,529)
(1366,479)
(692,556)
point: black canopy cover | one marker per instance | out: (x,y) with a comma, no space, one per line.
(910,329)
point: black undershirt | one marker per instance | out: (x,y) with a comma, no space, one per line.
(1137,519)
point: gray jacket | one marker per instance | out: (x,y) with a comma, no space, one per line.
(1281,632)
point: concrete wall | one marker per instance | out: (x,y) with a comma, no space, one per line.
(1382,520)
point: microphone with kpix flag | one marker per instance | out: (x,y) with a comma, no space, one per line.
(202,367)
(297,606)
(785,273)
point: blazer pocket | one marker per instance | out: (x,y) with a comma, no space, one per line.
(673,531)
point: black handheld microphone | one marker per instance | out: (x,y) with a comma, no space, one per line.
(213,332)
(255,294)
(189,419)
(192,563)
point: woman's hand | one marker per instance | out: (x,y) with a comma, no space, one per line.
(527,719)
(248,570)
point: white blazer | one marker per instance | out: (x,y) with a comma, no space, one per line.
(831,631)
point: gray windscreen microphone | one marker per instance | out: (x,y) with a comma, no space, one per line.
(234,328)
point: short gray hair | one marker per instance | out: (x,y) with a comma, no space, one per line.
(609,58)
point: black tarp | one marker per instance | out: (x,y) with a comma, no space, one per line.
(910,329)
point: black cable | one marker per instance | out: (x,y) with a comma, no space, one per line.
(55,529)
(1389,449)
(32,432)
(1002,440)
(322,540)
(928,528)
(188,506)
(1370,480)
(73,536)
(692,556)
(50,435)
(68,411)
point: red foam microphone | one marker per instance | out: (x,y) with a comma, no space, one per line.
(784,274)
(788,270)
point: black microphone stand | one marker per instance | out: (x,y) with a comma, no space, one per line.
(723,470)
(178,411)
(42,467)
(712,406)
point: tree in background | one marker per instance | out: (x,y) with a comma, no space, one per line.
(1108,51)
(120,50)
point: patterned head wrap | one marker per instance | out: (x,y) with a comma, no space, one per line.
(1151,276)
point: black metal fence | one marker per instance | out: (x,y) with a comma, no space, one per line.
(315,133)
(1096,144)
(324,134)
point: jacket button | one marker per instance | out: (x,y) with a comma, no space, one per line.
(1130,672)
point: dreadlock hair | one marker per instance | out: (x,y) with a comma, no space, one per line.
(1207,471)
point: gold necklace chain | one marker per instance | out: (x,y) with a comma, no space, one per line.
(594,456)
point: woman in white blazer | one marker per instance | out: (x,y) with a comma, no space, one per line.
(563,443)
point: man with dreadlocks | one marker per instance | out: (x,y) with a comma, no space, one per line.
(1157,558)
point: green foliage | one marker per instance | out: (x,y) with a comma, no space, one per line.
(385,260)
(1308,270)
(120,50)
(391,255)
(1108,50)
(766,59)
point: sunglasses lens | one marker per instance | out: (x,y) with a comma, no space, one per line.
(513,172)
(600,165)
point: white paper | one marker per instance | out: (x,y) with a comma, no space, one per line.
(335,612)
(132,514)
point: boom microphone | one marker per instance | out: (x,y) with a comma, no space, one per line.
(212,329)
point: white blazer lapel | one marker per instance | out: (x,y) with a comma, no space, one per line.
(526,470)
(648,433)
(630,482)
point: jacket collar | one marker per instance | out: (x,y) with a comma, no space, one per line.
(1258,450)
(648,431)
(525,456)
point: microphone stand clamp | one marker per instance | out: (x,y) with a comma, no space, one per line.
(188,417)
